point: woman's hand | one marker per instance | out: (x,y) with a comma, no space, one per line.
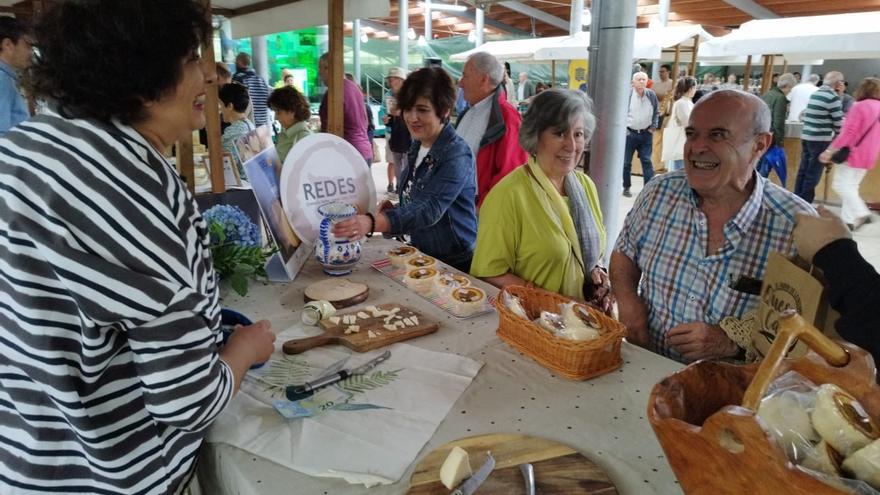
(247,346)
(601,295)
(825,156)
(355,227)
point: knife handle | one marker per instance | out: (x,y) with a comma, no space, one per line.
(297,346)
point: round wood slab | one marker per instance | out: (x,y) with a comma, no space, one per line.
(558,467)
(341,292)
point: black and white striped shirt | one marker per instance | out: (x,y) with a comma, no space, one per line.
(109,315)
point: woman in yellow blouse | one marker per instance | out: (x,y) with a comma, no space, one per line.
(541,225)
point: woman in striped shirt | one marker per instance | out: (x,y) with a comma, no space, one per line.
(110,370)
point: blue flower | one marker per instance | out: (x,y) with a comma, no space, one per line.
(237,226)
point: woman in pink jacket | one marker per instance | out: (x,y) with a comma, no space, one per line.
(861,133)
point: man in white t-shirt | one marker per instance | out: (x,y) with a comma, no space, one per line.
(800,96)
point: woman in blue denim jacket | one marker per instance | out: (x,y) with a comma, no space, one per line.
(438,187)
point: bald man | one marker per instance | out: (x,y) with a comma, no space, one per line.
(642,119)
(692,231)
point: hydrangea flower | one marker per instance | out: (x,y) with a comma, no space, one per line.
(237,226)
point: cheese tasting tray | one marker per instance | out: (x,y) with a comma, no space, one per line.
(385,267)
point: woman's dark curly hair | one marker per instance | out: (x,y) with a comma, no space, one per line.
(235,94)
(291,100)
(105,59)
(432,83)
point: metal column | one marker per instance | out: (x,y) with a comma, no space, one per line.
(611,50)
(403,28)
(429,22)
(259,56)
(480,23)
(663,17)
(576,24)
(356,49)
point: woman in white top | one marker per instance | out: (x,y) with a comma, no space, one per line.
(673,135)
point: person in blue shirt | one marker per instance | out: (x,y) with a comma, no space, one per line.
(15,56)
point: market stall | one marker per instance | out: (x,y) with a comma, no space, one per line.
(800,40)
(603,418)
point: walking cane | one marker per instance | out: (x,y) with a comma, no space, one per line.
(825,186)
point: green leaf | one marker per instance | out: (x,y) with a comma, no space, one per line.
(239,283)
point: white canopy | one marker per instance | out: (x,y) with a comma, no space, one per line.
(296,15)
(648,43)
(799,39)
(522,50)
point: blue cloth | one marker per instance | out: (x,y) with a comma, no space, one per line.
(810,170)
(643,143)
(437,207)
(13,108)
(460,103)
(773,160)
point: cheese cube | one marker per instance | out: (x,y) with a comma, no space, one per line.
(362,315)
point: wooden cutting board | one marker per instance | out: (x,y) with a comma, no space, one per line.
(361,341)
(558,468)
(340,292)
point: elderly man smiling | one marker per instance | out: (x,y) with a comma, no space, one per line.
(691,232)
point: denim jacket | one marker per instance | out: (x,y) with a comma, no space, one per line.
(440,216)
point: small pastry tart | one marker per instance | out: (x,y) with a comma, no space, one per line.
(421,280)
(447,282)
(865,464)
(400,255)
(421,261)
(842,421)
(467,300)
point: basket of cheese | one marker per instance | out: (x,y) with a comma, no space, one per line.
(573,339)
(794,426)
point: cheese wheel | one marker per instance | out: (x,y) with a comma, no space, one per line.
(421,280)
(467,300)
(789,422)
(400,255)
(822,458)
(842,421)
(865,464)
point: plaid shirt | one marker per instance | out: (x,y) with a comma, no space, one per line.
(666,234)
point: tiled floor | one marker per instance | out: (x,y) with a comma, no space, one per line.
(867,237)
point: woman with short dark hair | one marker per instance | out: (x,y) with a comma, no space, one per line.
(292,112)
(234,105)
(110,337)
(541,225)
(437,193)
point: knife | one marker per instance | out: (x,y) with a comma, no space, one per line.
(298,392)
(528,472)
(470,485)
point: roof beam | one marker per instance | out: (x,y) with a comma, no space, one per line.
(753,9)
(536,14)
(471,16)
(254,7)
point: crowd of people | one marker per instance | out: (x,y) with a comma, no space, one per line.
(111,343)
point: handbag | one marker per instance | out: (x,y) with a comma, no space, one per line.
(841,155)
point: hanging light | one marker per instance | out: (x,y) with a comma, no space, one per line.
(472,36)
(364,37)
(422,41)
(411,33)
(587,17)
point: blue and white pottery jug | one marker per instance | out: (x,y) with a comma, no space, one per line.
(337,255)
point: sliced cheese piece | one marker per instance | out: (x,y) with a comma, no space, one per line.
(455,468)
(371,334)
(362,315)
(408,322)
(372,309)
(399,324)
(390,327)
(415,319)
(334,320)
(353,329)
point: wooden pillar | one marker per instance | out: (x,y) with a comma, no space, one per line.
(553,73)
(337,70)
(212,110)
(675,63)
(747,74)
(693,67)
(185,162)
(784,66)
(768,72)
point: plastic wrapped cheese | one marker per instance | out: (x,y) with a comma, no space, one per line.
(786,417)
(842,421)
(865,464)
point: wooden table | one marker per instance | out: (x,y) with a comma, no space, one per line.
(603,418)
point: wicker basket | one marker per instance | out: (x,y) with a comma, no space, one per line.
(575,359)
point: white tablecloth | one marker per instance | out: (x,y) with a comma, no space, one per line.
(604,418)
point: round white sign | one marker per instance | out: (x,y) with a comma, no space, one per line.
(319,169)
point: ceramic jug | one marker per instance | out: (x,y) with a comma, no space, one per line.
(337,255)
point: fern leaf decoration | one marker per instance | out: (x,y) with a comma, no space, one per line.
(359,384)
